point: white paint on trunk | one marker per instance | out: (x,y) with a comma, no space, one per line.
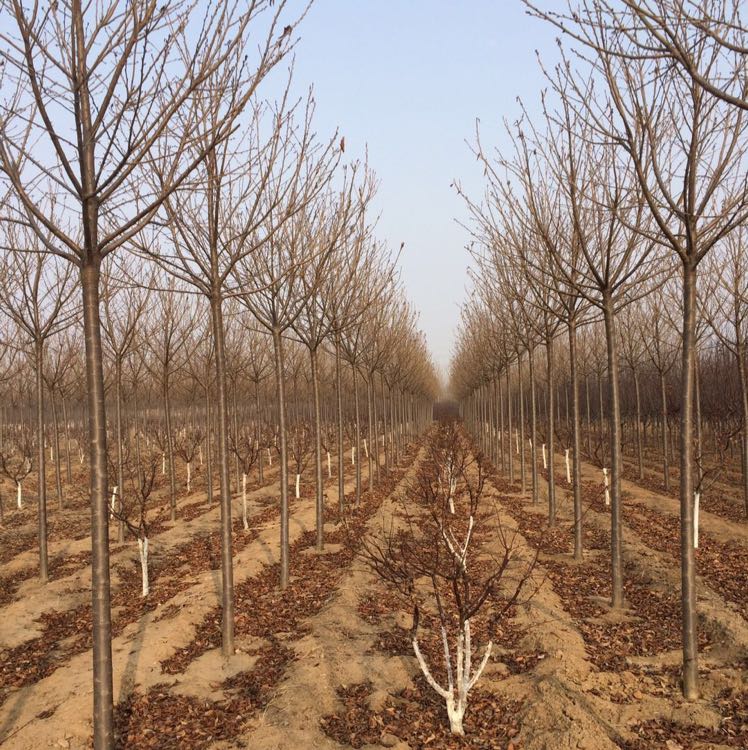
(19,496)
(163,463)
(545,458)
(696,503)
(244,502)
(353,455)
(298,478)
(455,695)
(189,476)
(201,455)
(568,466)
(607,486)
(113,502)
(329,465)
(143,550)
(516,440)
(51,454)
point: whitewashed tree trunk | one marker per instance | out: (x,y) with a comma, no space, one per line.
(516,440)
(201,455)
(19,496)
(163,463)
(113,502)
(456,693)
(696,503)
(298,479)
(244,502)
(329,466)
(545,458)
(607,486)
(189,476)
(143,550)
(568,466)
(353,455)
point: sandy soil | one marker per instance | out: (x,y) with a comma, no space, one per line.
(566,673)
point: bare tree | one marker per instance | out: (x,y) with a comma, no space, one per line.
(92,95)
(37,293)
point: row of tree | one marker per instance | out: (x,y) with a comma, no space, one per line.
(140,165)
(620,208)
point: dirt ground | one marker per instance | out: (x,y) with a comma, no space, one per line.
(328,662)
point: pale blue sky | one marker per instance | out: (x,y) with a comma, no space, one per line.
(408,78)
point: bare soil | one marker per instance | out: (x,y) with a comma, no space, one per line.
(327,663)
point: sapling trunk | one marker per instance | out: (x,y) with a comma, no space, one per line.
(143,550)
(244,502)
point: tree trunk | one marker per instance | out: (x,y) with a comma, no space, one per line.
(358,435)
(103,716)
(576,438)
(509,424)
(120,459)
(665,459)
(533,427)
(170,448)
(688,567)
(614,417)
(224,481)
(281,396)
(550,429)
(56,439)
(639,447)
(208,443)
(320,502)
(523,478)
(339,398)
(373,445)
(68,465)
(258,423)
(42,489)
